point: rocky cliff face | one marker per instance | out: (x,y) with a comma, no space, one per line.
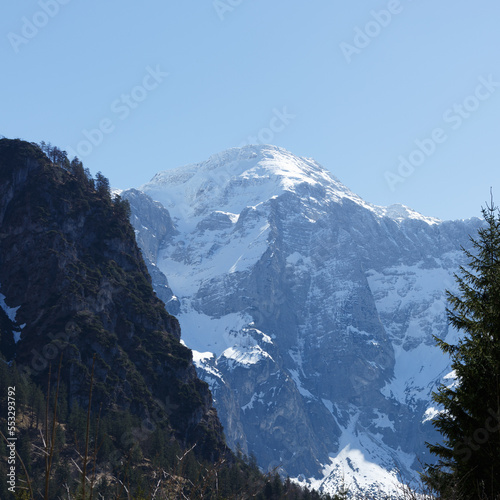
(153,214)
(73,283)
(311,312)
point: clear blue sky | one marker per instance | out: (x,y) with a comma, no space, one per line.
(355,102)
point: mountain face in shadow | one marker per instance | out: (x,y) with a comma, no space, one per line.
(73,283)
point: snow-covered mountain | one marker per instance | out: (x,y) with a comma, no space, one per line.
(310,312)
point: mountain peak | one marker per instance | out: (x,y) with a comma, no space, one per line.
(251,175)
(243,177)
(261,162)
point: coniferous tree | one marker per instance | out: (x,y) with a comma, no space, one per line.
(469,458)
(102,186)
(76,168)
(122,207)
(55,155)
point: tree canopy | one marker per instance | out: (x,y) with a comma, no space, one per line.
(469,458)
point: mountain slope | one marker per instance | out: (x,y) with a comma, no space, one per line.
(310,310)
(73,282)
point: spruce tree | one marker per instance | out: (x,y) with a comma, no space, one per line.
(469,458)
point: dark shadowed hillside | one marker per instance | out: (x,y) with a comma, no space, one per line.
(70,267)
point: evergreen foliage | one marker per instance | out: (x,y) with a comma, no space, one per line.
(102,186)
(55,155)
(469,458)
(141,466)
